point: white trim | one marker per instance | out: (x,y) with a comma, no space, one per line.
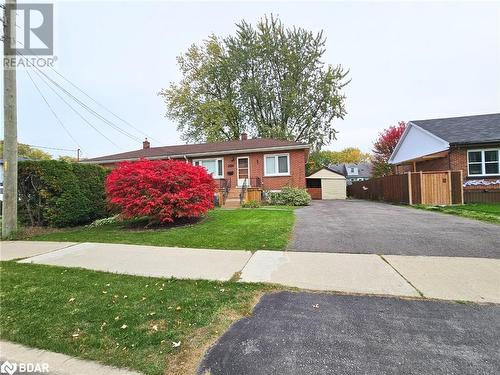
(238,170)
(199,154)
(444,144)
(219,176)
(483,162)
(276,164)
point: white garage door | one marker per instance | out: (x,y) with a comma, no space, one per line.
(333,189)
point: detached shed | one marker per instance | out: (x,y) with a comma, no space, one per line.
(326,184)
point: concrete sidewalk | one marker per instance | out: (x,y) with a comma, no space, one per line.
(55,363)
(149,260)
(467,279)
(10,250)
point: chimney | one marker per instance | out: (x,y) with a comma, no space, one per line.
(145,144)
(244,136)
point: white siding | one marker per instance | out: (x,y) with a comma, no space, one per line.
(333,189)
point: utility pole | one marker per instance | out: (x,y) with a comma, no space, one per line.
(78,155)
(9,209)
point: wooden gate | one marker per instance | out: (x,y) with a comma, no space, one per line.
(436,188)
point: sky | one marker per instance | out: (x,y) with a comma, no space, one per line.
(407,61)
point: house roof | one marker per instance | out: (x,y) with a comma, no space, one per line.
(203,149)
(364,169)
(327,174)
(464,130)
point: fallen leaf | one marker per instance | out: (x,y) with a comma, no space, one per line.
(124,326)
(71,299)
(176,344)
(178,308)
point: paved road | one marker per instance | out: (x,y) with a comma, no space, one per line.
(307,333)
(358,226)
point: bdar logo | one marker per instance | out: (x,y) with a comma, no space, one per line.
(8,368)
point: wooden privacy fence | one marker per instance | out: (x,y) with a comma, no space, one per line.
(443,187)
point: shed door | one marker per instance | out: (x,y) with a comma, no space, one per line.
(333,189)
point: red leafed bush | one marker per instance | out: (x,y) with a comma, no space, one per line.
(163,190)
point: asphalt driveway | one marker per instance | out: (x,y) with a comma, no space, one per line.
(366,227)
(309,333)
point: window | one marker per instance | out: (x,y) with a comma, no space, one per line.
(213,166)
(483,162)
(277,165)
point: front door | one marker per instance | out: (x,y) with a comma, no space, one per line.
(243,171)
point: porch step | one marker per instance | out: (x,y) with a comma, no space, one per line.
(232,203)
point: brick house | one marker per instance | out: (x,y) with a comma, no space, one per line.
(252,164)
(470,144)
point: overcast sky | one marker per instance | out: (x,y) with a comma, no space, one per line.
(407,61)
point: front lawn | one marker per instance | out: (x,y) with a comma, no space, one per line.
(152,325)
(481,211)
(248,229)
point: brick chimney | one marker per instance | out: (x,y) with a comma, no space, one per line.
(146,144)
(244,136)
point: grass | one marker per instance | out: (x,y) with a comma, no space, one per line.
(489,212)
(125,321)
(247,229)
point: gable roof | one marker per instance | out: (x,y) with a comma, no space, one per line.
(327,174)
(465,129)
(203,149)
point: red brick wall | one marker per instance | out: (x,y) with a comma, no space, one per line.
(441,164)
(315,193)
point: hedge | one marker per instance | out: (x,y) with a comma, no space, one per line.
(60,194)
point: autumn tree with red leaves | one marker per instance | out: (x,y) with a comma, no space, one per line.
(383,148)
(162,190)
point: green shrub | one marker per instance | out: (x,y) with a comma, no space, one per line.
(289,196)
(251,204)
(59,194)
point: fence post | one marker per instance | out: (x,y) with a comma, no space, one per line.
(421,187)
(462,185)
(410,198)
(450,188)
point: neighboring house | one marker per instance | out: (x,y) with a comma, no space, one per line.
(326,184)
(470,144)
(259,163)
(353,172)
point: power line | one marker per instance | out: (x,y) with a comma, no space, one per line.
(102,105)
(116,127)
(76,111)
(53,148)
(52,110)
(89,109)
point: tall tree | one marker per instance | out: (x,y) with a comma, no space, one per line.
(320,159)
(383,148)
(26,151)
(268,80)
